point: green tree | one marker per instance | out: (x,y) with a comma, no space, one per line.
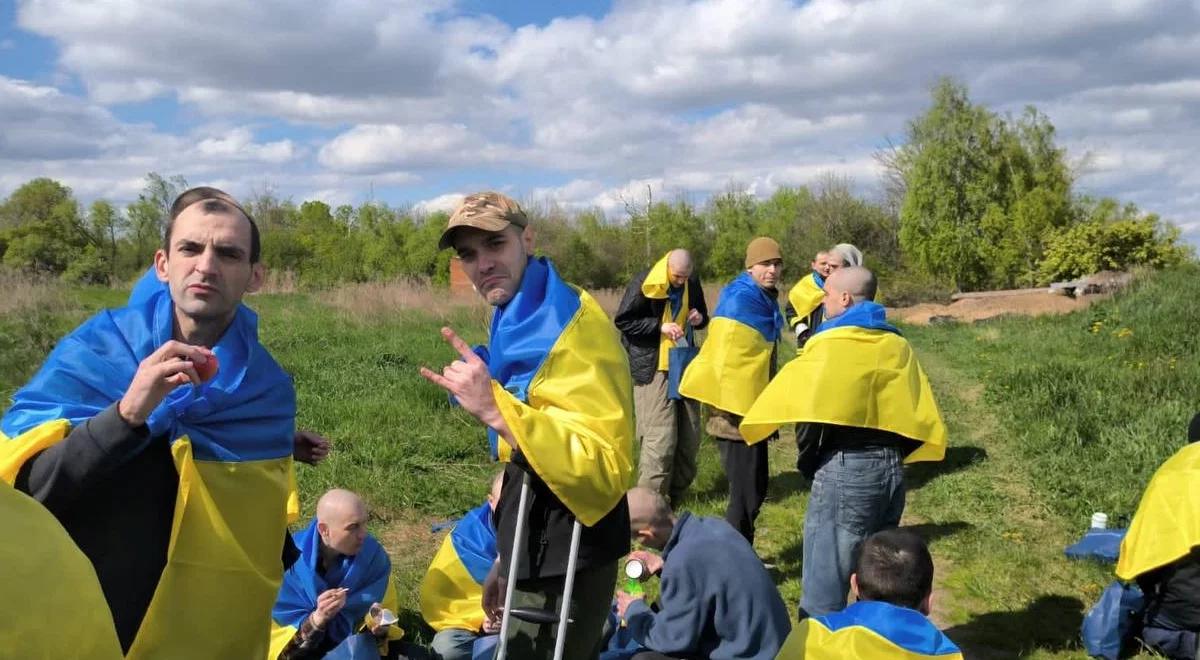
(42,227)
(149,214)
(1110,236)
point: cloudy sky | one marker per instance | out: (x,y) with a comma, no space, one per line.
(413,102)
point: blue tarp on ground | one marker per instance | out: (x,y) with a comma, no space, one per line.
(1099,544)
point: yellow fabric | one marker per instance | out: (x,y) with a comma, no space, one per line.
(805,297)
(666,343)
(14,452)
(731,369)
(577,430)
(450,597)
(811,641)
(225,548)
(851,376)
(658,280)
(293,500)
(1167,523)
(56,608)
(281,635)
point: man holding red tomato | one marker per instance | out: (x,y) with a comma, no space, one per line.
(161,436)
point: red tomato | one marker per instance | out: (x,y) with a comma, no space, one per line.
(207,370)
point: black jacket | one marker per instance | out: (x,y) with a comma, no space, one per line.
(640,318)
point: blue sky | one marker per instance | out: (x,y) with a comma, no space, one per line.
(584,104)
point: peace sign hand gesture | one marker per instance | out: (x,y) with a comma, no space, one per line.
(470,383)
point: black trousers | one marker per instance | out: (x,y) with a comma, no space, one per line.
(746,470)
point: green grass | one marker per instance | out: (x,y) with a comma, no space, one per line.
(1050,419)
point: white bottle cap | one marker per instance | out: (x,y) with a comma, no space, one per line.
(1099,520)
(634,569)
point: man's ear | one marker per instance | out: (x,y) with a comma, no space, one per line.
(527,237)
(258,273)
(160,265)
(926,605)
(643,535)
(322,529)
(854,585)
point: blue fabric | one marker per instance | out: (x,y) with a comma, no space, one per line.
(1111,620)
(526,328)
(867,314)
(355,647)
(1099,544)
(246,412)
(675,296)
(621,645)
(485,647)
(715,597)
(366,575)
(818,279)
(744,301)
(907,629)
(853,495)
(474,541)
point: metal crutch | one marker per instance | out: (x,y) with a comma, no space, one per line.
(529,614)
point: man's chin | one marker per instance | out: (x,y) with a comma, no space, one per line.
(497,296)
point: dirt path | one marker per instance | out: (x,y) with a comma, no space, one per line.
(1025,303)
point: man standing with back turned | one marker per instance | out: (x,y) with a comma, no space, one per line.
(661,307)
(553,389)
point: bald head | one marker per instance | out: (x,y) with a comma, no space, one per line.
(342,521)
(679,266)
(847,286)
(650,517)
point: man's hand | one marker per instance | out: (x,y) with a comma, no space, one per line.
(672,331)
(470,383)
(694,318)
(491,625)
(172,365)
(308,447)
(329,603)
(493,592)
(651,561)
(377,629)
(623,601)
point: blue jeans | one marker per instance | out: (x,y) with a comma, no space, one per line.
(854,494)
(453,644)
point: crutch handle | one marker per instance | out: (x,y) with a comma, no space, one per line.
(534,615)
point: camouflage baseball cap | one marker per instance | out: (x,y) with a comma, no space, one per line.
(489,211)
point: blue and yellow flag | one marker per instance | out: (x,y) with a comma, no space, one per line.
(452,591)
(657,286)
(368,576)
(855,371)
(55,608)
(232,446)
(1167,523)
(869,630)
(734,364)
(561,380)
(806,297)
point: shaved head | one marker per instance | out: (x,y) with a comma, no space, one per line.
(342,521)
(857,281)
(679,266)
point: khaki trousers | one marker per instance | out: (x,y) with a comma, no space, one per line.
(670,436)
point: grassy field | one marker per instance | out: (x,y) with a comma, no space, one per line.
(1050,420)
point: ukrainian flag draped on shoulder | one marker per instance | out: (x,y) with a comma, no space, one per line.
(561,380)
(734,363)
(1167,523)
(856,370)
(869,630)
(367,575)
(452,591)
(806,296)
(657,286)
(50,588)
(232,445)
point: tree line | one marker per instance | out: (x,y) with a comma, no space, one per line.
(971,200)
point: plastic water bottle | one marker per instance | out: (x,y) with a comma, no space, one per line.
(634,571)
(1099,520)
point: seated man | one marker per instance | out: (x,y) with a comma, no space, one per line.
(893,583)
(452,591)
(716,600)
(328,595)
(1162,552)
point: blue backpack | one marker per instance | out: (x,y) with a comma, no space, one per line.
(1113,620)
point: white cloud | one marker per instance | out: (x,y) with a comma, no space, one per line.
(446,203)
(687,94)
